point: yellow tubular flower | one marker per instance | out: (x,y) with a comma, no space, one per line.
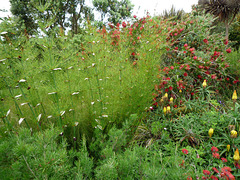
(204,84)
(180,91)
(236,155)
(168,109)
(166,95)
(171,100)
(164,110)
(210,132)
(234,97)
(228,147)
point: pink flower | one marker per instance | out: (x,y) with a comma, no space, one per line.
(228,50)
(185,74)
(185,45)
(124,24)
(135,16)
(172,67)
(176,48)
(185,151)
(195,57)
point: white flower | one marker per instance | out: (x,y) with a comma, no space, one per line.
(92,103)
(76,123)
(17,96)
(86,79)
(93,54)
(22,104)
(49,117)
(70,67)
(52,93)
(3,60)
(104,115)
(93,64)
(39,117)
(56,69)
(38,104)
(71,110)
(22,80)
(100,127)
(62,113)
(20,120)
(75,93)
(4,32)
(8,112)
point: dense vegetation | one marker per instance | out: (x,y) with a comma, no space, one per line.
(154,98)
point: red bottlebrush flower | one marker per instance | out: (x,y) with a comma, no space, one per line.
(235,82)
(185,74)
(206,172)
(228,50)
(185,151)
(185,45)
(176,48)
(224,160)
(216,155)
(213,76)
(213,177)
(215,170)
(191,49)
(124,24)
(172,67)
(170,88)
(206,41)
(195,57)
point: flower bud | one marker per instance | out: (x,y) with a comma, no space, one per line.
(210,132)
(171,100)
(236,155)
(164,110)
(233,133)
(228,147)
(234,97)
(204,84)
(168,109)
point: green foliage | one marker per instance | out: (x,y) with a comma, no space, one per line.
(115,11)
(41,156)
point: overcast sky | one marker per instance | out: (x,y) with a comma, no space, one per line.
(154,7)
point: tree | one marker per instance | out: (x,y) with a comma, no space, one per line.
(226,10)
(113,10)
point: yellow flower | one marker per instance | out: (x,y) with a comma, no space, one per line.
(210,132)
(228,147)
(171,100)
(204,84)
(234,97)
(166,95)
(168,109)
(180,91)
(164,110)
(233,133)
(236,155)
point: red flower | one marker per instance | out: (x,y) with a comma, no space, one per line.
(227,79)
(184,52)
(216,155)
(235,82)
(213,177)
(185,151)
(124,24)
(215,170)
(185,74)
(206,41)
(185,45)
(226,42)
(214,149)
(176,48)
(224,160)
(170,88)
(228,50)
(237,165)
(206,172)
(189,178)
(133,54)
(135,16)
(195,57)
(172,67)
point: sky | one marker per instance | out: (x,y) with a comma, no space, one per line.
(154,7)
